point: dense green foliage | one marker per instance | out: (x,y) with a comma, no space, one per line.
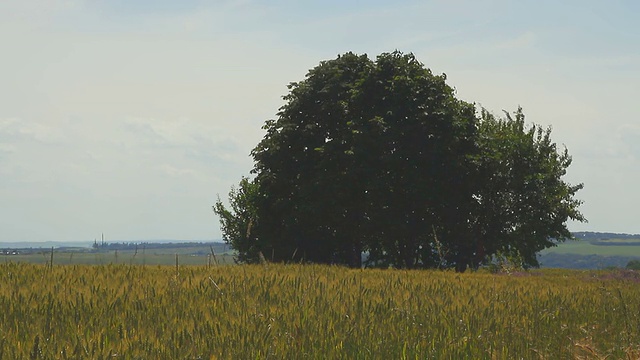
(522,202)
(379,157)
(237,223)
(633,265)
(314,312)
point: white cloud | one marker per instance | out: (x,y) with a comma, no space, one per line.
(6,123)
(178,132)
(42,132)
(628,136)
(523,40)
(13,129)
(7,148)
(177,172)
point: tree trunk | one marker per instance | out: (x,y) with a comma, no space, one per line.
(461,266)
(356,255)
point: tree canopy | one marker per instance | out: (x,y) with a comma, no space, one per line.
(379,157)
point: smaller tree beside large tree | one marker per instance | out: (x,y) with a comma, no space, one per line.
(522,201)
(237,223)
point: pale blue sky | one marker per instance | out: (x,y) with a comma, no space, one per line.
(129,117)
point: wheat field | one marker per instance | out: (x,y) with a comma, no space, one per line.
(313,312)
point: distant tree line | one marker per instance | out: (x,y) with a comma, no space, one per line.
(147,245)
(578,261)
(592,235)
(615,243)
(379,157)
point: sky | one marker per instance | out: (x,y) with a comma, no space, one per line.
(129,118)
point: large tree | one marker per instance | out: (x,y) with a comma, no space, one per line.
(380,157)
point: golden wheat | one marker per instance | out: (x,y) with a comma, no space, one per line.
(313,312)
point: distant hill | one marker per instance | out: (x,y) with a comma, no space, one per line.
(588,235)
(44,244)
(90,244)
(593,250)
